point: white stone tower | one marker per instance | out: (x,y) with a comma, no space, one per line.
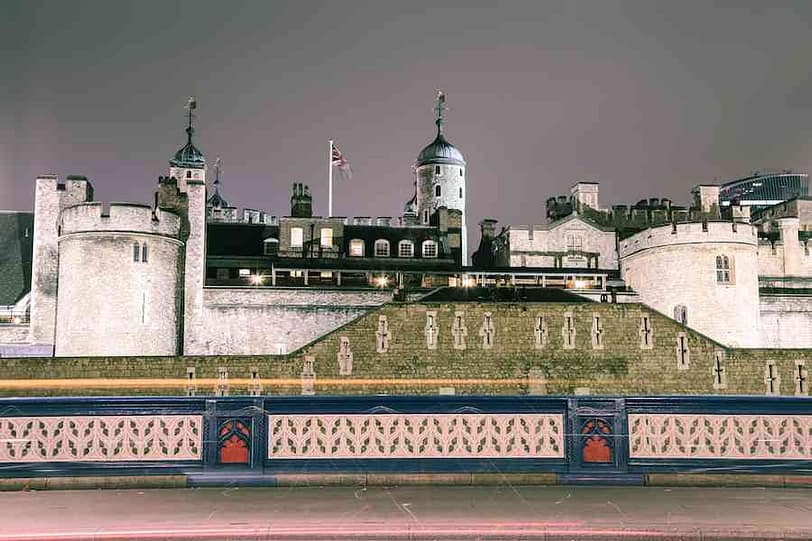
(188,167)
(440,170)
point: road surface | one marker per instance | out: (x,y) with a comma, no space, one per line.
(413,513)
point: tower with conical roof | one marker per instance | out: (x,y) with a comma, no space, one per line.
(440,171)
(188,165)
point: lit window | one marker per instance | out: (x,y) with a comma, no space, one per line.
(405,248)
(270,246)
(723,268)
(296,237)
(437,191)
(436,169)
(245,272)
(136,252)
(144,253)
(429,248)
(326,237)
(356,248)
(381,248)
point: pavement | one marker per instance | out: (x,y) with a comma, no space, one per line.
(409,513)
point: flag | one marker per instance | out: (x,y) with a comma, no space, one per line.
(338,160)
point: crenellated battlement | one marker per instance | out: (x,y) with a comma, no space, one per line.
(688,233)
(121,217)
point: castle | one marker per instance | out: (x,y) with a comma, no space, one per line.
(191,275)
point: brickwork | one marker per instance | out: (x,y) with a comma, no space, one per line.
(512,364)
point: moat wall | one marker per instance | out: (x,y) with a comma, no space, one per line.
(460,348)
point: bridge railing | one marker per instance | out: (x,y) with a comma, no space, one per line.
(264,436)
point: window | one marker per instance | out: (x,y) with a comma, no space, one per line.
(356,248)
(381,248)
(681,314)
(270,246)
(460,193)
(136,252)
(144,253)
(575,243)
(296,237)
(460,171)
(723,268)
(245,273)
(436,169)
(188,174)
(405,248)
(222,274)
(438,191)
(429,248)
(326,237)
(425,216)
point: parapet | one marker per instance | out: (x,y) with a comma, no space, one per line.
(689,233)
(122,218)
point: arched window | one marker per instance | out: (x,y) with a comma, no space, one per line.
(188,174)
(429,248)
(723,268)
(356,248)
(144,253)
(405,248)
(437,191)
(460,192)
(381,248)
(136,252)
(681,314)
(436,169)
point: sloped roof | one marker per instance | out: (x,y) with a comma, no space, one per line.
(16,249)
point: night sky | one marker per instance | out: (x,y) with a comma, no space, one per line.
(649,98)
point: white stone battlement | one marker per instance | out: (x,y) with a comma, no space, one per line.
(122,217)
(688,233)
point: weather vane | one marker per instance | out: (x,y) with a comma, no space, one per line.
(440,108)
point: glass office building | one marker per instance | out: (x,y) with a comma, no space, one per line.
(762,190)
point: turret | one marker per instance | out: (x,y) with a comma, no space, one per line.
(440,170)
(188,165)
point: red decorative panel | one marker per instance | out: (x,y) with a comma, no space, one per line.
(235,442)
(596,446)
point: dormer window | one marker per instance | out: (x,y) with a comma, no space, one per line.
(405,248)
(356,248)
(381,248)
(429,248)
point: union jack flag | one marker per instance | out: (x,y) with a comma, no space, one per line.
(338,160)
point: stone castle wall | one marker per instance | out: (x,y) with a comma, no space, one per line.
(676,265)
(461,348)
(122,217)
(528,243)
(786,321)
(245,321)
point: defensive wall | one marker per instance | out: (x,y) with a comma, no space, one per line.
(449,348)
(250,321)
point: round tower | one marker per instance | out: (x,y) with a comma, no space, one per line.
(440,176)
(118,281)
(702,274)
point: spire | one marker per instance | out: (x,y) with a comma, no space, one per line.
(191,105)
(218,164)
(189,156)
(440,108)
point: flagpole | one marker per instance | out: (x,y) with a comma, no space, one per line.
(330,183)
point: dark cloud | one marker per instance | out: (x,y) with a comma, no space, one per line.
(647,97)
